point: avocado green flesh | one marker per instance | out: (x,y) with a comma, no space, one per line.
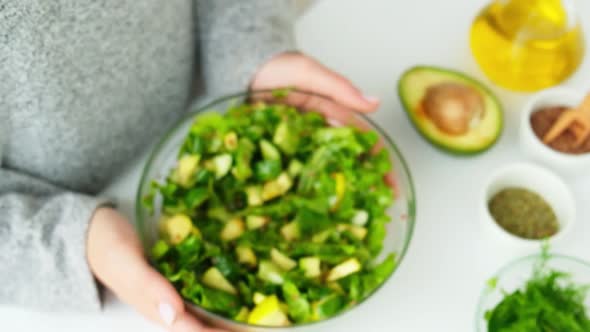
(412,88)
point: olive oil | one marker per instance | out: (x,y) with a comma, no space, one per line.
(527,45)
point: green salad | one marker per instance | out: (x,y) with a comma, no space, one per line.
(273,217)
(548,302)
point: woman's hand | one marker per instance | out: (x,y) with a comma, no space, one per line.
(305,73)
(116,258)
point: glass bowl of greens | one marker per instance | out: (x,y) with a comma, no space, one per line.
(546,292)
(269,217)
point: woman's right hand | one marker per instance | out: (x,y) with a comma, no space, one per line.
(116,258)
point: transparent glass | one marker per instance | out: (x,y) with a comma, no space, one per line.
(515,275)
(527,45)
(163,158)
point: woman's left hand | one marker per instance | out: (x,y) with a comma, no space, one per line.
(305,73)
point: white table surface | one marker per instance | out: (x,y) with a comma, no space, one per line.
(439,282)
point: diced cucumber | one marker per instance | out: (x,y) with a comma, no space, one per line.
(295,168)
(269,151)
(177,228)
(246,255)
(298,307)
(281,260)
(358,232)
(219,213)
(360,218)
(254,194)
(269,271)
(310,266)
(322,236)
(222,164)
(214,279)
(230,141)
(256,222)
(242,169)
(233,229)
(344,269)
(286,138)
(187,167)
(291,231)
(328,306)
(160,249)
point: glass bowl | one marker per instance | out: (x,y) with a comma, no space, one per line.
(515,275)
(163,158)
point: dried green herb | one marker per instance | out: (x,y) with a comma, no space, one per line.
(523,213)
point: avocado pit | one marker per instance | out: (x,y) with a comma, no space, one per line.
(454,108)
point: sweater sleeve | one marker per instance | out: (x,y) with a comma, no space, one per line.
(237,37)
(43,261)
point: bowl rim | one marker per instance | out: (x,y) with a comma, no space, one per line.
(498,174)
(508,266)
(197,108)
(526,127)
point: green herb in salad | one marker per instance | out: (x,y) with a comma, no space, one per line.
(273,217)
(549,302)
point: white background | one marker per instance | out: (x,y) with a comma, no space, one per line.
(438,284)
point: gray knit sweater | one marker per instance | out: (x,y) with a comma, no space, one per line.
(85,85)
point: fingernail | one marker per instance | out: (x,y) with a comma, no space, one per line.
(371,99)
(167,313)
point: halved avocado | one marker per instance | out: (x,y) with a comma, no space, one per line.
(413,87)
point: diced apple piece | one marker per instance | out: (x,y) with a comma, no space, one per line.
(187,166)
(358,232)
(214,279)
(254,194)
(222,164)
(335,286)
(177,227)
(258,297)
(290,231)
(344,269)
(269,313)
(246,255)
(230,141)
(269,151)
(281,260)
(310,266)
(255,222)
(360,218)
(276,187)
(270,272)
(322,236)
(286,138)
(233,229)
(284,181)
(295,168)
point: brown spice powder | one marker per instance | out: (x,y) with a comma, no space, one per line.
(541,122)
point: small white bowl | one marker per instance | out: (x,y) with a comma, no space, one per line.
(566,164)
(536,179)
